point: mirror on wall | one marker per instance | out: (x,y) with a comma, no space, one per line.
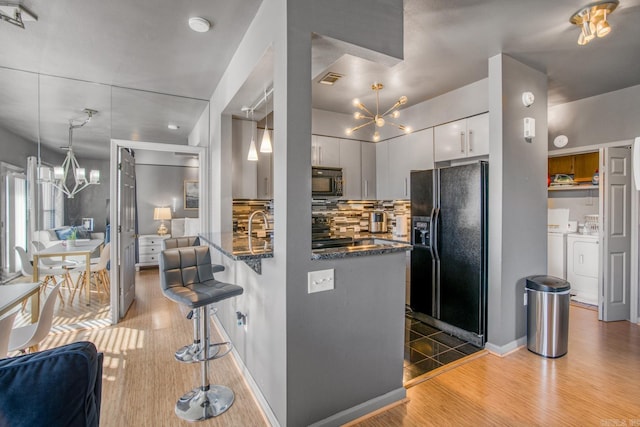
(34,124)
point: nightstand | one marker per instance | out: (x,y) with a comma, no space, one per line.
(149,248)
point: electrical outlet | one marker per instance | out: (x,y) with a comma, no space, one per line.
(319,281)
(525,298)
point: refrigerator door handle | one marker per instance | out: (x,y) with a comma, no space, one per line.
(435,233)
(431,219)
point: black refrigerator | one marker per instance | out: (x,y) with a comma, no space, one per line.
(449,258)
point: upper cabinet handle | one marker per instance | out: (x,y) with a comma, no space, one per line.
(462,142)
(470,140)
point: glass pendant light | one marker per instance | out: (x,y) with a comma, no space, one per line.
(265,145)
(252,156)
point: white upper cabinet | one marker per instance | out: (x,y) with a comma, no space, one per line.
(325,151)
(264,181)
(382,170)
(244,172)
(407,153)
(368,171)
(463,138)
(350,163)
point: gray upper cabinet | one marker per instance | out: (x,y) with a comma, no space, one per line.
(463,138)
(351,169)
(325,151)
(382,170)
(368,170)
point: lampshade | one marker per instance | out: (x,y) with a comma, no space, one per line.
(265,145)
(253,153)
(161,213)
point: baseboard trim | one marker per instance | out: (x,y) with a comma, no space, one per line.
(267,412)
(506,349)
(348,415)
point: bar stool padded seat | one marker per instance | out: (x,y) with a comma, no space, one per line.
(188,277)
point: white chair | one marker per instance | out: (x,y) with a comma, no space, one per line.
(98,272)
(30,335)
(6,324)
(48,273)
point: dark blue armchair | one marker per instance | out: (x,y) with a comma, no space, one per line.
(57,387)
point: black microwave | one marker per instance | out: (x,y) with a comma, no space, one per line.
(326,181)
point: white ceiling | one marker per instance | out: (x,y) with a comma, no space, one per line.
(104,49)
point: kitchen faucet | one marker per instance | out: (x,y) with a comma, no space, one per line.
(250,228)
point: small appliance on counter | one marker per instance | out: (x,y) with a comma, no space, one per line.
(400,228)
(378,222)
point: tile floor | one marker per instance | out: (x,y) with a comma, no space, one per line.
(427,348)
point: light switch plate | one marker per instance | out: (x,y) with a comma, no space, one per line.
(319,281)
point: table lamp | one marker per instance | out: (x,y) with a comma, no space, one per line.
(161,214)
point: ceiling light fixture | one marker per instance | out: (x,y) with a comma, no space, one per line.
(16,14)
(592,20)
(265,145)
(60,173)
(173,126)
(377,118)
(199,25)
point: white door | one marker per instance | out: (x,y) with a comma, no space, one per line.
(127,236)
(13,224)
(615,211)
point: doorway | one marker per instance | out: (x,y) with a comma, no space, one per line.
(120,268)
(13,222)
(592,247)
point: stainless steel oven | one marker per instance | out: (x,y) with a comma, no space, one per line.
(326,182)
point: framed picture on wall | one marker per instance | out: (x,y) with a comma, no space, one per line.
(191,194)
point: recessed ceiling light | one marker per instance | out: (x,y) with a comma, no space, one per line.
(199,25)
(173,127)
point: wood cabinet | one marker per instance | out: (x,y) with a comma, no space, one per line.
(149,248)
(325,151)
(463,138)
(368,171)
(581,166)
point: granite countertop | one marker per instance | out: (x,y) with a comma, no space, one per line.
(236,245)
(366,244)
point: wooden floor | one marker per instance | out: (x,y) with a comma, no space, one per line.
(141,379)
(596,383)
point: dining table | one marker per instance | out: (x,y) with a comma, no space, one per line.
(12,295)
(67,248)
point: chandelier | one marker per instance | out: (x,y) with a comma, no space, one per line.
(378,119)
(592,20)
(60,173)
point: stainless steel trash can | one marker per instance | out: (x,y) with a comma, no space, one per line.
(547,315)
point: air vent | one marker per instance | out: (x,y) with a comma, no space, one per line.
(330,78)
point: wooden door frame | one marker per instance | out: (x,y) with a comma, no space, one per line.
(203,210)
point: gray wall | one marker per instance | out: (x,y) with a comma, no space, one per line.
(157,186)
(613,116)
(15,150)
(517,197)
(92,201)
(301,349)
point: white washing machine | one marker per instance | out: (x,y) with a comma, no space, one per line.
(557,255)
(582,267)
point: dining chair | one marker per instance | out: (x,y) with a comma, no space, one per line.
(48,272)
(6,324)
(98,272)
(23,337)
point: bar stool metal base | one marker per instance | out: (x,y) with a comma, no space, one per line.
(198,404)
(194,352)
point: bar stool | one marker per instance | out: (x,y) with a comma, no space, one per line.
(186,277)
(190,352)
